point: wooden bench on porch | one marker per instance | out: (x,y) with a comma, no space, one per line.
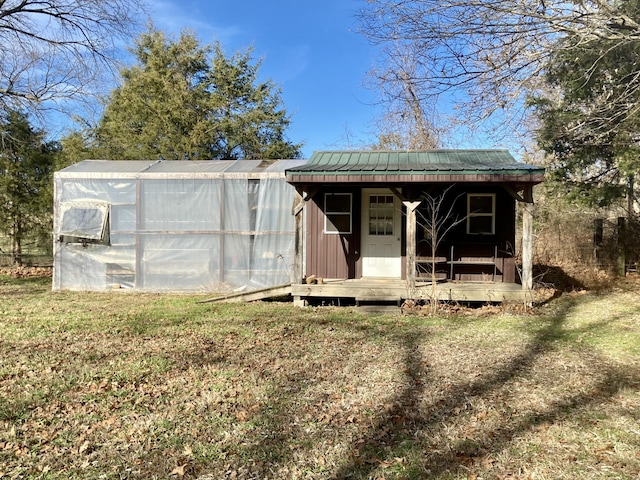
(474,256)
(424,264)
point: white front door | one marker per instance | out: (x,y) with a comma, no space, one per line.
(381,223)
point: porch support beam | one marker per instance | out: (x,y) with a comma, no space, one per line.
(397,193)
(511,191)
(527,239)
(298,212)
(311,192)
(411,242)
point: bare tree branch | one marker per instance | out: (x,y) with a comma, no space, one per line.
(487,56)
(56,50)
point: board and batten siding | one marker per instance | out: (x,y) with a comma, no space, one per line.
(481,246)
(332,255)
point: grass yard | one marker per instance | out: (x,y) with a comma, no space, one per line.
(139,386)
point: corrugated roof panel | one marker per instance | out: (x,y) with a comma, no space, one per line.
(358,161)
(324,159)
(191,166)
(433,158)
(133,168)
(391,161)
(241,166)
(459,158)
(282,165)
(395,162)
(367,161)
(335,161)
(407,159)
(109,166)
(342,163)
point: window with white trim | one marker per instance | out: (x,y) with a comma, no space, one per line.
(84,223)
(481,213)
(338,213)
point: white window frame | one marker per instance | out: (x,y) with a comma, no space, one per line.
(471,215)
(327,214)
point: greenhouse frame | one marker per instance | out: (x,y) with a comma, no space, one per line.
(173,226)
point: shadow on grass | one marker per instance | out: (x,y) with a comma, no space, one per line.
(399,424)
(270,448)
(24,284)
(270,397)
(558,278)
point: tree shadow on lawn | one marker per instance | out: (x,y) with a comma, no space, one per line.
(271,441)
(392,440)
(388,439)
(556,276)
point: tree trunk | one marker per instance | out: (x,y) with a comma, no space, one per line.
(16,245)
(622,250)
(630,197)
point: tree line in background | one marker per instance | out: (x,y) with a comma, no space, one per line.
(563,75)
(26,166)
(178,100)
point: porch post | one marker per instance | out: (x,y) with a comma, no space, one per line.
(298,212)
(298,262)
(411,242)
(527,239)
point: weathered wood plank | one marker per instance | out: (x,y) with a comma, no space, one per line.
(527,239)
(388,290)
(252,296)
(411,246)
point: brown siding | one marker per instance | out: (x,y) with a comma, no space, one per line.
(337,256)
(481,246)
(331,255)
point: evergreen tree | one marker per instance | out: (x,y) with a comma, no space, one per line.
(26,168)
(182,101)
(248,119)
(75,147)
(591,129)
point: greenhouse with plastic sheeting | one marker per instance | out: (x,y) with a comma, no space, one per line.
(173,226)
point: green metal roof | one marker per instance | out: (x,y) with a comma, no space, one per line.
(410,162)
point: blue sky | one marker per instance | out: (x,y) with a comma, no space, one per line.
(311,49)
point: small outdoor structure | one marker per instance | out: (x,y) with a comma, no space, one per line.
(345,225)
(365,231)
(179,226)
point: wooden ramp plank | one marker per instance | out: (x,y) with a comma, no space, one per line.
(253,295)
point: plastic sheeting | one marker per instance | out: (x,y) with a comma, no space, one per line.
(173,231)
(84,220)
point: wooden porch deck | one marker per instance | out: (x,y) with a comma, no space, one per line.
(396,290)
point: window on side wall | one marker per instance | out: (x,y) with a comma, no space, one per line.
(338,213)
(84,223)
(481,213)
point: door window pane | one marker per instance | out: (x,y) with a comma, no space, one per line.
(381,214)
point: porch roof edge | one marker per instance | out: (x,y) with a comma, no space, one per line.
(426,165)
(519,177)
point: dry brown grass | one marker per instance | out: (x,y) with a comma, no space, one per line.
(121,386)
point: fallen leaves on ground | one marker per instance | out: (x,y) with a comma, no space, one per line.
(142,386)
